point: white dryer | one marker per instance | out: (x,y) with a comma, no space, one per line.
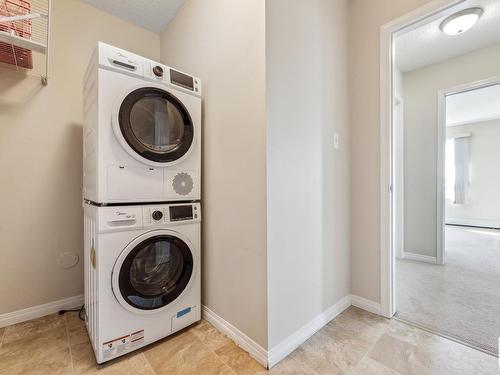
(142,274)
(142,130)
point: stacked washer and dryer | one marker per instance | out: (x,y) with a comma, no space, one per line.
(141,190)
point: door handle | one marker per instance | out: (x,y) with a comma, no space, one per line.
(122,221)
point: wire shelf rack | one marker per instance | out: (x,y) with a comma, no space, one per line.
(25,33)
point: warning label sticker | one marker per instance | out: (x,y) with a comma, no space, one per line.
(137,338)
(121,345)
(116,347)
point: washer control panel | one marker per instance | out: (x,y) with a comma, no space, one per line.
(177,213)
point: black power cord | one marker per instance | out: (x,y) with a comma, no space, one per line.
(80,311)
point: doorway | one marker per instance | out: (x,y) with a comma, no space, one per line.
(418,200)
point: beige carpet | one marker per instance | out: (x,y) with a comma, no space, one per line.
(460,299)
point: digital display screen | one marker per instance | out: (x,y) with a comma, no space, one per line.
(181,79)
(178,213)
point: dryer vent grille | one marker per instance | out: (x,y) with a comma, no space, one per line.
(182,183)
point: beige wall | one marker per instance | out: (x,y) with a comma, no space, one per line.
(41,157)
(223,42)
(308,180)
(420,89)
(365,19)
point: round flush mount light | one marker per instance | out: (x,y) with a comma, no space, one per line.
(460,22)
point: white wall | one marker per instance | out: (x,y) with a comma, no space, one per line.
(307,179)
(483,201)
(365,18)
(420,95)
(41,157)
(223,42)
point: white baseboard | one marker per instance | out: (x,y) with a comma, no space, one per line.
(296,339)
(366,304)
(419,258)
(40,310)
(473,223)
(270,358)
(242,340)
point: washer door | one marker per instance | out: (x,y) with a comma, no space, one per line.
(155,126)
(153,271)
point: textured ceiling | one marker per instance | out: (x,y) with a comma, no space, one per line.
(427,44)
(473,106)
(153,15)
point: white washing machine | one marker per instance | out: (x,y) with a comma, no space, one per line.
(142,130)
(142,274)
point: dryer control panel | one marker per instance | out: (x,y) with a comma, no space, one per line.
(119,60)
(178,213)
(165,74)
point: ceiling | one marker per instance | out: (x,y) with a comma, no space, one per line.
(153,15)
(473,106)
(427,44)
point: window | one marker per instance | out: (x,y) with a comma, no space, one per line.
(457,168)
(450,170)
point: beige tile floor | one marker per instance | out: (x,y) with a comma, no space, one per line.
(356,342)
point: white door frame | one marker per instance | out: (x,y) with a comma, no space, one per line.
(398,183)
(441,167)
(420,16)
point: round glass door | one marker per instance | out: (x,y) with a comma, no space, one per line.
(155,272)
(155,124)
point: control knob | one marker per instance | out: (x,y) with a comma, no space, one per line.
(158,71)
(157,215)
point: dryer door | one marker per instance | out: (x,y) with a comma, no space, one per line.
(155,126)
(153,271)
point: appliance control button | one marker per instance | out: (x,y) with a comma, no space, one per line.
(157,215)
(158,71)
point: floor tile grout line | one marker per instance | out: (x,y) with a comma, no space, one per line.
(298,361)
(209,349)
(354,349)
(228,365)
(313,371)
(3,335)
(383,332)
(148,363)
(373,345)
(215,351)
(41,356)
(9,328)
(69,344)
(224,362)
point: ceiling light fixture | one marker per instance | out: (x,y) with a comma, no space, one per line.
(460,22)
